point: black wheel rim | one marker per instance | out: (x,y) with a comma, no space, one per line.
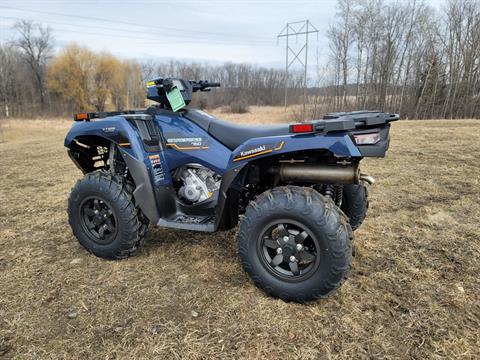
(289,250)
(98,220)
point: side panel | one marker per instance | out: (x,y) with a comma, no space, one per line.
(188,143)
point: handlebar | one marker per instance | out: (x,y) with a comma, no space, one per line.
(159,88)
(203,85)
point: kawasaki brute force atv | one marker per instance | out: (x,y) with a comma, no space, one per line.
(296,190)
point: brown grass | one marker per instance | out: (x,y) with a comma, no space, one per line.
(413,291)
(259,115)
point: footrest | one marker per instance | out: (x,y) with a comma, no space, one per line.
(195,223)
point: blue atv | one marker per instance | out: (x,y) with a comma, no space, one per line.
(296,189)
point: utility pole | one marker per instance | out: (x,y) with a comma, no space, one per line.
(298,28)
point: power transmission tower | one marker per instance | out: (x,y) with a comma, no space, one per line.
(298,28)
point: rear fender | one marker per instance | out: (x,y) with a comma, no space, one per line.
(339,144)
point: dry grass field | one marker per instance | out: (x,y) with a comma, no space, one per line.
(413,293)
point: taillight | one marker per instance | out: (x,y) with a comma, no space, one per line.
(301,128)
(367,139)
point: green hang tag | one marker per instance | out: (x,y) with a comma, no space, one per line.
(175,99)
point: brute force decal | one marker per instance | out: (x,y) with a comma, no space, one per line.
(179,142)
(195,141)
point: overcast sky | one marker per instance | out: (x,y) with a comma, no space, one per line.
(208,30)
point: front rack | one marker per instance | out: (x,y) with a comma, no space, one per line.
(87,116)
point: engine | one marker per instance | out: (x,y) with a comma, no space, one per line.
(198,183)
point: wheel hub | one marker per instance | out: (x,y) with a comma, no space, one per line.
(98,220)
(289,249)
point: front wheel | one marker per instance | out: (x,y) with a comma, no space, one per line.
(104,218)
(295,244)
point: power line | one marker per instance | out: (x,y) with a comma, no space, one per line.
(163,28)
(152,37)
(297,28)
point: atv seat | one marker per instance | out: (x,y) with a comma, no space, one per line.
(232,135)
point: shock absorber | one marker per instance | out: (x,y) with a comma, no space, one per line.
(334,192)
(330,191)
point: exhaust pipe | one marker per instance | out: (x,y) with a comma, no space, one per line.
(367,178)
(318,173)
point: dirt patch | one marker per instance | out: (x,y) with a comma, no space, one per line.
(413,291)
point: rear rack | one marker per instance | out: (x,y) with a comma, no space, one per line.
(354,120)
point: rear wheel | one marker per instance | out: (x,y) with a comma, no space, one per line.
(104,218)
(295,244)
(355,204)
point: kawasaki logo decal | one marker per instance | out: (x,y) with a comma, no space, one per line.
(258,150)
(253,151)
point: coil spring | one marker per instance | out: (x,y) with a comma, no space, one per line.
(339,194)
(334,192)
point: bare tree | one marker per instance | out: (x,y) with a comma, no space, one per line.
(5,80)
(36,43)
(406,57)
(340,35)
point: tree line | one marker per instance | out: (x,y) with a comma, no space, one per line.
(394,56)
(34,81)
(405,57)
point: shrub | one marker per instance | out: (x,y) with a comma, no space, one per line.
(239,106)
(202,103)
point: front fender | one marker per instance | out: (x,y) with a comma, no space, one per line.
(114,129)
(83,136)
